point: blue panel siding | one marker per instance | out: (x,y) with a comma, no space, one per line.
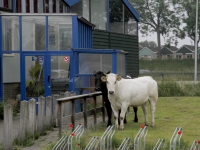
(75,32)
(84,35)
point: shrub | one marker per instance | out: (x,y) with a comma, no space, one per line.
(170,89)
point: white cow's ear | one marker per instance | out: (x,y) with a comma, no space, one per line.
(119,77)
(103,79)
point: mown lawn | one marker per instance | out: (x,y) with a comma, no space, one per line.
(171,112)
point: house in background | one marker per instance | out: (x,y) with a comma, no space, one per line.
(185,52)
(168,52)
(147,51)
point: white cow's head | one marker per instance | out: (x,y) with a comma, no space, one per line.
(111,81)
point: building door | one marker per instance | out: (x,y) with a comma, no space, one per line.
(35,76)
(44,74)
(60,73)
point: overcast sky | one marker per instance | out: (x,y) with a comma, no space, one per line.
(153,37)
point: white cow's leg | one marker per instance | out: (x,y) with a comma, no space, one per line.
(115,112)
(145,111)
(122,116)
(153,109)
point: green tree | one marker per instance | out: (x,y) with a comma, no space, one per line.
(151,43)
(189,8)
(161,17)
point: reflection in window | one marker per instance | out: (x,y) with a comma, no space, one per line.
(116,16)
(95,62)
(65,37)
(60,33)
(121,64)
(130,23)
(38,6)
(10,31)
(81,8)
(33,33)
(99,13)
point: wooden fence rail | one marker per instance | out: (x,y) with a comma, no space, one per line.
(72,99)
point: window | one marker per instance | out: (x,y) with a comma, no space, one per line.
(10,33)
(189,56)
(169,56)
(130,23)
(6,3)
(99,14)
(81,8)
(178,56)
(116,16)
(60,33)
(39,6)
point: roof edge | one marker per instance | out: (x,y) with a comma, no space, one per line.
(132,10)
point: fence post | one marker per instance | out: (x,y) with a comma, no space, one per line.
(55,109)
(49,111)
(23,120)
(68,105)
(32,116)
(8,121)
(73,110)
(41,114)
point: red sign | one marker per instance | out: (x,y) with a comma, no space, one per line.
(66,58)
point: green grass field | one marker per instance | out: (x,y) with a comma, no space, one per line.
(171,112)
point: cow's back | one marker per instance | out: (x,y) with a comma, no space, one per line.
(151,84)
(137,91)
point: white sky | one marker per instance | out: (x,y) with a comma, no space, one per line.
(153,37)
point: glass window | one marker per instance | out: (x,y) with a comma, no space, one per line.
(6,3)
(88,63)
(60,33)
(130,23)
(81,8)
(10,31)
(60,73)
(116,16)
(33,33)
(121,64)
(99,13)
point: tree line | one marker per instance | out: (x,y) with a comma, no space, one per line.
(172,19)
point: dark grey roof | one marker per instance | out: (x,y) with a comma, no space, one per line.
(190,47)
(173,48)
(143,45)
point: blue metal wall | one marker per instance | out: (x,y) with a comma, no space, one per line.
(85,35)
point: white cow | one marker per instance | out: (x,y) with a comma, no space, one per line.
(123,93)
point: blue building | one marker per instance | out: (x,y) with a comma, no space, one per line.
(51,46)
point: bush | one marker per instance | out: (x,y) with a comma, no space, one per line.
(170,89)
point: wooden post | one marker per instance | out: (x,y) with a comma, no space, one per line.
(73,113)
(41,114)
(23,120)
(60,117)
(32,116)
(8,122)
(49,111)
(103,110)
(95,110)
(85,112)
(55,109)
